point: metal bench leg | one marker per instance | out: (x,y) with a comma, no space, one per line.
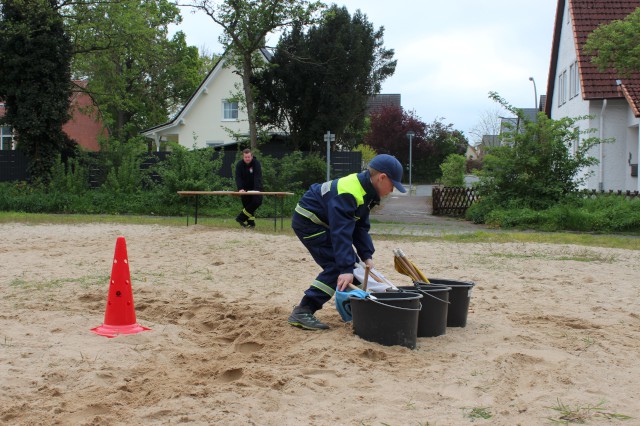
(195,219)
(275,213)
(281,212)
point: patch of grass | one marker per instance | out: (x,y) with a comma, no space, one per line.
(91,280)
(588,341)
(581,414)
(36,285)
(411,405)
(265,225)
(478,413)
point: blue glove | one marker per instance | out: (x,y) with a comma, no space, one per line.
(343,304)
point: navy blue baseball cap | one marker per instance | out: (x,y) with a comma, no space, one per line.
(389,165)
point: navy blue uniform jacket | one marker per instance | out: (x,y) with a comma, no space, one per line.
(344,205)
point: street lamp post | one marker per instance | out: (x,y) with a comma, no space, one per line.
(410,135)
(535,92)
(328,138)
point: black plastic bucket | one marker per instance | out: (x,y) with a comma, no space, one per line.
(391,319)
(459,298)
(432,320)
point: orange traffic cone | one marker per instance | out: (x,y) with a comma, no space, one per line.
(120,315)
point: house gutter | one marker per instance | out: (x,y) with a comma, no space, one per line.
(601,155)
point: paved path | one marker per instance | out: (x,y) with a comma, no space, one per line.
(404,214)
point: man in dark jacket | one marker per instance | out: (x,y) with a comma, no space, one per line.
(248,178)
(330,220)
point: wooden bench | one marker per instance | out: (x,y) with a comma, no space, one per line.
(277,196)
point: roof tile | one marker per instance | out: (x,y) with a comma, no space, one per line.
(586,16)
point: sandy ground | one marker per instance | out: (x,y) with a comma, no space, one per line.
(551,325)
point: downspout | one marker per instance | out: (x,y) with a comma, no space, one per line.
(601,155)
(637,158)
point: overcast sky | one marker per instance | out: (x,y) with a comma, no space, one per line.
(450,53)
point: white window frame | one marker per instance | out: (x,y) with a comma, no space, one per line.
(562,88)
(6,138)
(566,86)
(574,80)
(571,84)
(229,110)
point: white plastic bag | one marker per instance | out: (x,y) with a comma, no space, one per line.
(372,284)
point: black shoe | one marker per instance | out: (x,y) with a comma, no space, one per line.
(303,317)
(244,225)
(251,224)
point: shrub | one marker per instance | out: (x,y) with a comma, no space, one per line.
(608,213)
(534,167)
(367,154)
(70,178)
(453,170)
(473,164)
(294,172)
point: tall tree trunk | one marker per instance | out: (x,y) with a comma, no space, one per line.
(247,72)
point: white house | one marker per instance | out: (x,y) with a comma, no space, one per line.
(211,116)
(576,88)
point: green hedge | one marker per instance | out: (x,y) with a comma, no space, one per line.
(607,213)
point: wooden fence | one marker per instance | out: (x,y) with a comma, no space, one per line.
(452,201)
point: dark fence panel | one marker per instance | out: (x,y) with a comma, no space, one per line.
(345,163)
(13,166)
(342,163)
(228,164)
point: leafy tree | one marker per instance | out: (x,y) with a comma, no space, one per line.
(617,44)
(35,57)
(136,75)
(431,144)
(534,168)
(321,80)
(453,169)
(388,133)
(444,140)
(246,24)
(367,154)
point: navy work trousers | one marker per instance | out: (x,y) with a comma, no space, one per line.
(317,239)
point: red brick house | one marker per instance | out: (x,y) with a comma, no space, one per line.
(84,127)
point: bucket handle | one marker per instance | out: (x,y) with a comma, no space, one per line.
(431,295)
(395,307)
